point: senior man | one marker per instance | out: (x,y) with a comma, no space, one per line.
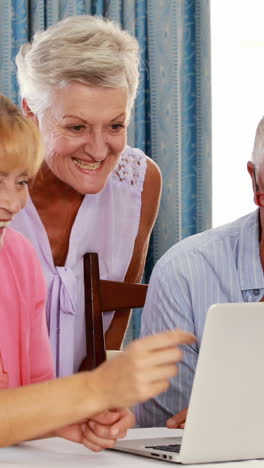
(220,265)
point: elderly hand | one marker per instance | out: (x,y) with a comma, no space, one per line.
(177,421)
(101,431)
(141,371)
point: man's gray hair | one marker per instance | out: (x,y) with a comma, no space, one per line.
(88,49)
(258,148)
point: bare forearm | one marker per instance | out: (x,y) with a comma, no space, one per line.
(28,412)
(137,374)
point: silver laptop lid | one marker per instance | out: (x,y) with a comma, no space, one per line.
(226,412)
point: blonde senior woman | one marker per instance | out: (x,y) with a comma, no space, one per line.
(78,81)
(79,407)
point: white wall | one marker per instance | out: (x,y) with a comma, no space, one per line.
(237,28)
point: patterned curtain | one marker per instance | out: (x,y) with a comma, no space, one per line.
(172,116)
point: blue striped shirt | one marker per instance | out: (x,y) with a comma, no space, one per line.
(217,266)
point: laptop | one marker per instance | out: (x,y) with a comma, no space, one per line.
(225,420)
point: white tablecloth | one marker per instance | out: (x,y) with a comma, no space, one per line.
(51,453)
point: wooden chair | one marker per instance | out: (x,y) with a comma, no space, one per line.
(104,296)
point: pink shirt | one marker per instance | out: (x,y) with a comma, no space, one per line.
(24,343)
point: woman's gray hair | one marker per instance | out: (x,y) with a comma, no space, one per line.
(89,49)
(258,148)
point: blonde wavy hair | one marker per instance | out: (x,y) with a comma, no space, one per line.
(20,141)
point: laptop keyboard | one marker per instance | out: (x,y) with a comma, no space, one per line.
(166,448)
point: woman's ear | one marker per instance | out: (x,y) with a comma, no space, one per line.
(28,112)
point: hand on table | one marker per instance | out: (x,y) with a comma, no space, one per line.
(104,429)
(101,431)
(177,421)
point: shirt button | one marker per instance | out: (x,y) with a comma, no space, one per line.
(256,292)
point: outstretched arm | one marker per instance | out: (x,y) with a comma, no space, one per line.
(140,372)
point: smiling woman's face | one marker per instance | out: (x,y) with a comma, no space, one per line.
(84,133)
(13,196)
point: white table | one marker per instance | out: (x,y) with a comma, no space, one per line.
(50,453)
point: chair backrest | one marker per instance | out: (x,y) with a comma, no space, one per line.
(103,296)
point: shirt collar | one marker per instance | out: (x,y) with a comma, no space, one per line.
(249,263)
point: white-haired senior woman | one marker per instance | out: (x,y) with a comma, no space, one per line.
(78,80)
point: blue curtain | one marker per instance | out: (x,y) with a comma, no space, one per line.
(172,116)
